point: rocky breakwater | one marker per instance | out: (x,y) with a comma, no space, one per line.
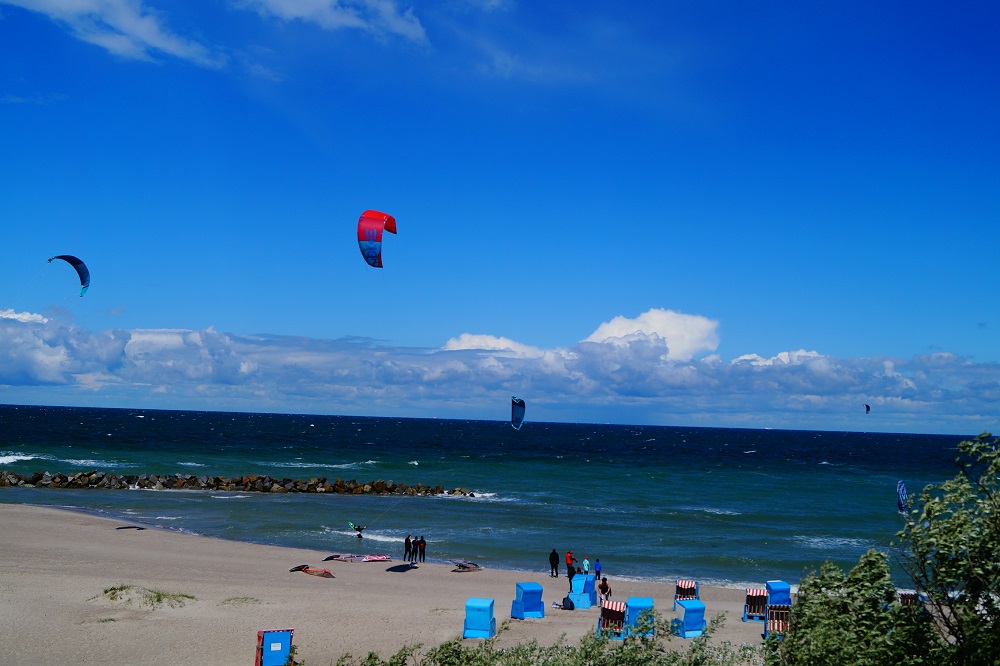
(251,483)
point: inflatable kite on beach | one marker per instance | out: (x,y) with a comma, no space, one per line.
(370,228)
(305,568)
(516,412)
(81,270)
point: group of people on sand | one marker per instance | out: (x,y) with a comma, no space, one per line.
(414,550)
(583,568)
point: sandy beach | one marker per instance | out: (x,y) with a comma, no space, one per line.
(56,564)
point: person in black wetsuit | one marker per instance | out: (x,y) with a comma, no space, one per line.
(554,563)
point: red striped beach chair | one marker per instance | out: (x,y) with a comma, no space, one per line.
(756,603)
(611,623)
(686,589)
(778,618)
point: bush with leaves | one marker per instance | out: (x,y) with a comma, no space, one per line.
(592,651)
(951,550)
(950,547)
(852,620)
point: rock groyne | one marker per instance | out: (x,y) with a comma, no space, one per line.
(251,483)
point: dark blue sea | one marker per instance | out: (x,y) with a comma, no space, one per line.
(728,507)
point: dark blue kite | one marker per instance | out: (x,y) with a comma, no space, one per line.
(81,270)
(516,412)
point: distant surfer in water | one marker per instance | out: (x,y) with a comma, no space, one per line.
(359,529)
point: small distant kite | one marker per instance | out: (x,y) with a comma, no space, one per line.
(516,412)
(902,502)
(81,270)
(868,409)
(370,228)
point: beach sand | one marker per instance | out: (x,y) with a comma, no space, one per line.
(55,565)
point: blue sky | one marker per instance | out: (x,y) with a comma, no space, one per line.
(681,213)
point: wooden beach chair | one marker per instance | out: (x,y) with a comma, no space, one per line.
(686,589)
(611,623)
(778,618)
(755,608)
(909,599)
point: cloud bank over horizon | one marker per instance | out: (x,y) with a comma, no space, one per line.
(652,369)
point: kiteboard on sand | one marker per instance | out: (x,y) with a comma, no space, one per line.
(358,558)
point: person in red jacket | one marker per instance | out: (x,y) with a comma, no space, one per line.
(569,563)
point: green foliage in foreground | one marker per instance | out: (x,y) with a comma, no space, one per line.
(852,620)
(949,547)
(592,651)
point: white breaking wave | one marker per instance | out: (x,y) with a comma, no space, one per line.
(828,542)
(8,457)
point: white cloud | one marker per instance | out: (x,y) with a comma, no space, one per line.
(683,335)
(783,358)
(375,16)
(491,343)
(125,28)
(7,313)
(626,375)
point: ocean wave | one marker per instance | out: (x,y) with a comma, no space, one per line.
(829,542)
(720,512)
(94,464)
(307,465)
(192,464)
(8,457)
(231,496)
(414,462)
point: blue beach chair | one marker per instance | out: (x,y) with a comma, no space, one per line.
(693,623)
(778,618)
(779,593)
(635,607)
(755,608)
(479,620)
(273,647)
(584,594)
(611,623)
(528,602)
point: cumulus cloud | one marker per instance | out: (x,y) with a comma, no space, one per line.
(7,313)
(626,371)
(375,16)
(682,335)
(492,343)
(126,28)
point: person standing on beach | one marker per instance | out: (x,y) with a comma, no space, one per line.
(554,563)
(586,565)
(407,548)
(571,574)
(422,546)
(569,563)
(597,567)
(605,590)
